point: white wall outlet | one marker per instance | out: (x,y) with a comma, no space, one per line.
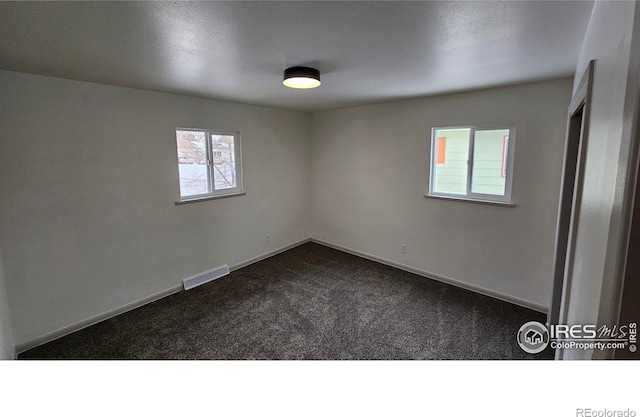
(267,238)
(403,248)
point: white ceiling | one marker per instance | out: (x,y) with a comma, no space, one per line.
(366,51)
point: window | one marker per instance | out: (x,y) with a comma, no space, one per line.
(472,163)
(209,164)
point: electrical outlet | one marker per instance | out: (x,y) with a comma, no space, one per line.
(267,238)
(403,248)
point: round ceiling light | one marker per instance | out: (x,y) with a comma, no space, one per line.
(301,77)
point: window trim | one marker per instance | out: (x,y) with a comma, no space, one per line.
(213,194)
(470,196)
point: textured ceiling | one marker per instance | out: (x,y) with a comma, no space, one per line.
(366,51)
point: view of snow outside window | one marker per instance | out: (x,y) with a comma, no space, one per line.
(204,166)
(192,162)
(224,165)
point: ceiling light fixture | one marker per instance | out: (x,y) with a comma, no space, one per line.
(301,77)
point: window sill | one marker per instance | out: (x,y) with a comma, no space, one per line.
(469,200)
(209,197)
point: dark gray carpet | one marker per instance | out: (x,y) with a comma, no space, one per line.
(311,302)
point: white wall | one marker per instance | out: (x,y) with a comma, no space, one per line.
(89,180)
(608,41)
(7,348)
(88,184)
(371,168)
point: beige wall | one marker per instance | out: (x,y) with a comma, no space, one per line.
(608,41)
(88,184)
(370,170)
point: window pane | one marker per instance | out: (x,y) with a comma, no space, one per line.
(224,163)
(490,161)
(192,162)
(451,152)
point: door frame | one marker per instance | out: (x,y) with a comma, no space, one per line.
(571,195)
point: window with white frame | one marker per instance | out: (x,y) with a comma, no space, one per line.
(209,163)
(472,163)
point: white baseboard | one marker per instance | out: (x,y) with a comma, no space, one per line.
(49,337)
(268,254)
(446,280)
(56,334)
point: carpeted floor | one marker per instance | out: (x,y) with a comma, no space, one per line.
(311,302)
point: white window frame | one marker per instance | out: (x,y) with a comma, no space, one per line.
(212,193)
(471,196)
